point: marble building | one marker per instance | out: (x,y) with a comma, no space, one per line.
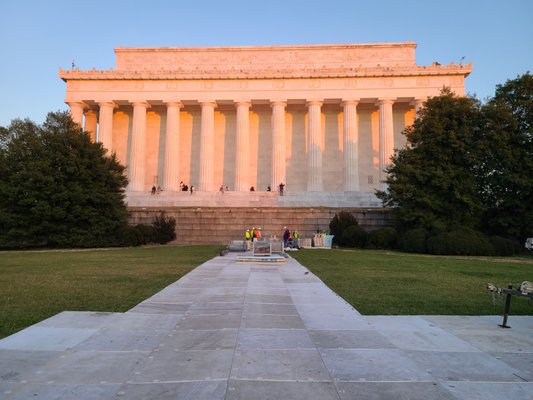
(322,119)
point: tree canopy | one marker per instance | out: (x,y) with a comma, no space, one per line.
(431,182)
(467,164)
(57,188)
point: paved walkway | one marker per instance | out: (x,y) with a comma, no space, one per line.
(231,330)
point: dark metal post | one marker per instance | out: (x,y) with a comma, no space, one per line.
(507,308)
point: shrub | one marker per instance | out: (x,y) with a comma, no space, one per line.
(502,246)
(354,236)
(129,236)
(384,238)
(164,229)
(464,241)
(414,241)
(339,223)
(147,232)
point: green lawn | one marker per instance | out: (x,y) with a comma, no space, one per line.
(386,283)
(35,285)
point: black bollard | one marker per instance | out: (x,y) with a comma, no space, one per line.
(507,307)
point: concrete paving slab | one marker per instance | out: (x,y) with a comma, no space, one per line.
(458,323)
(220,291)
(284,365)
(393,391)
(490,390)
(230,330)
(274,339)
(265,308)
(522,362)
(216,306)
(62,392)
(372,365)
(327,316)
(350,339)
(80,320)
(267,298)
(268,390)
(218,339)
(19,365)
(309,289)
(318,299)
(402,322)
(160,308)
(502,340)
(121,340)
(90,367)
(156,322)
(180,366)
(464,366)
(44,338)
(222,298)
(199,390)
(174,298)
(427,340)
(209,322)
(274,291)
(267,321)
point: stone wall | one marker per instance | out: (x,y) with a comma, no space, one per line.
(219,225)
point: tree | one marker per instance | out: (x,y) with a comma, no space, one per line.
(57,188)
(431,182)
(506,167)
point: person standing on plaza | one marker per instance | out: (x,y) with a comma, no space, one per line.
(286,237)
(281,187)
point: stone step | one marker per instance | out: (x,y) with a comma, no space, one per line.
(253,199)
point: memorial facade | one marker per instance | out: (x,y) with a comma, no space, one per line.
(321,119)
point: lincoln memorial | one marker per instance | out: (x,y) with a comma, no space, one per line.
(323,120)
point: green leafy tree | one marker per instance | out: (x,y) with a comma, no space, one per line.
(57,188)
(432,181)
(506,165)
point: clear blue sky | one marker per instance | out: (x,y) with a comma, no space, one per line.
(37,37)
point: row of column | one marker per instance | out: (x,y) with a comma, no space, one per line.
(206,170)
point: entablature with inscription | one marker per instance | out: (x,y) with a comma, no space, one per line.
(266,62)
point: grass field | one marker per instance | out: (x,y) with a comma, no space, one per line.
(387,283)
(35,285)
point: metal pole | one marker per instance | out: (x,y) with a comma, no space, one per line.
(507,307)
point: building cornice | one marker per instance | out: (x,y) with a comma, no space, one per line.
(267,73)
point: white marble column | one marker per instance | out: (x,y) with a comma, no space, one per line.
(172,146)
(242,146)
(207,136)
(138,144)
(279,169)
(76,111)
(351,146)
(314,146)
(386,136)
(90,123)
(418,104)
(105,128)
